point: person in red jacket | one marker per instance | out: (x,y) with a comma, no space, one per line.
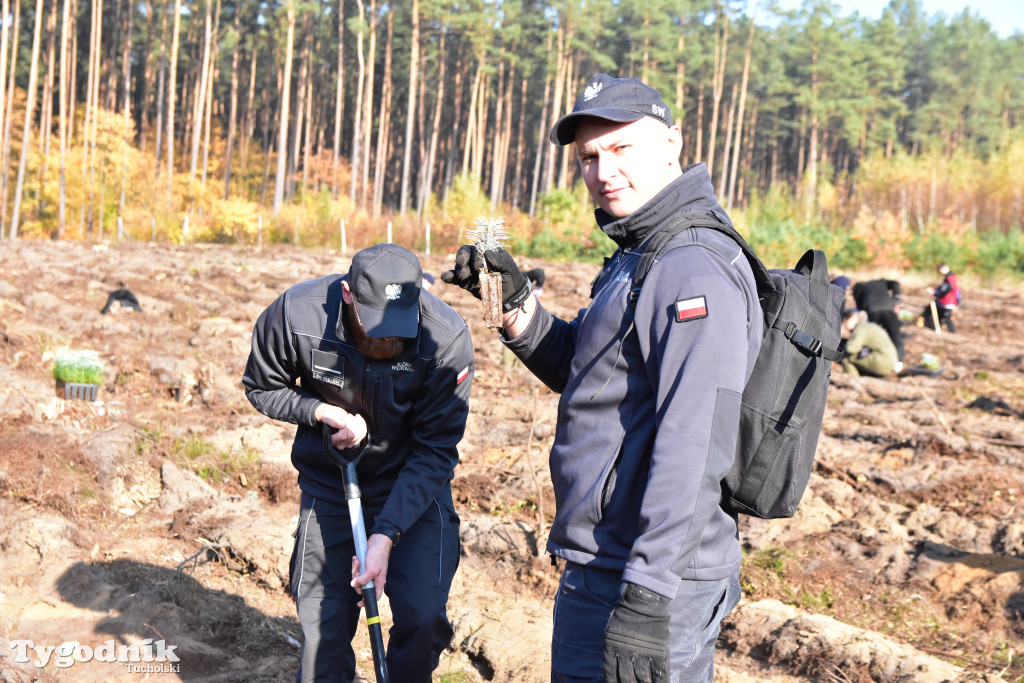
(947,297)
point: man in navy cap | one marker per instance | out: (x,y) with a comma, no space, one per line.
(371,354)
(650,381)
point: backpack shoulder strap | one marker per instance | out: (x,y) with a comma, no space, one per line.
(656,245)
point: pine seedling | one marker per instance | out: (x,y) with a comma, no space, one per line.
(489,234)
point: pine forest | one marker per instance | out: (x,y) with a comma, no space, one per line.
(890,141)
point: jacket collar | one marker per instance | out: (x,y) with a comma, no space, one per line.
(692,187)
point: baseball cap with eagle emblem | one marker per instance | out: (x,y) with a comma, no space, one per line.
(385,281)
(614,99)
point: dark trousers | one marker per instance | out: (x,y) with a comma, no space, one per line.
(890,322)
(584,602)
(945,317)
(420,573)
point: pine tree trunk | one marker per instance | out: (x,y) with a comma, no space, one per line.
(46,115)
(726,148)
(748,156)
(542,143)
(30,107)
(557,109)
(339,100)
(739,118)
(126,54)
(202,83)
(566,154)
(681,83)
(229,146)
(126,106)
(357,128)
(171,82)
(300,108)
(368,103)
(210,79)
(501,139)
(718,81)
(452,142)
(384,128)
(248,119)
(5,158)
(517,176)
(96,74)
(426,185)
(161,87)
(63,94)
(474,89)
(282,133)
(812,151)
(410,107)
(699,152)
(4,49)
(147,76)
(307,149)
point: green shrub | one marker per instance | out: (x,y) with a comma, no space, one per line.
(781,244)
(926,251)
(1001,254)
(78,367)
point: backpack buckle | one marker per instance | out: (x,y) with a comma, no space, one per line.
(806,342)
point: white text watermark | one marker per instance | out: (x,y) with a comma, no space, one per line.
(148,657)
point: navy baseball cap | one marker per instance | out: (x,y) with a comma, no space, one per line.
(614,99)
(385,281)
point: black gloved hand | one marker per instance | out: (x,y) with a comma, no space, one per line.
(469,262)
(636,638)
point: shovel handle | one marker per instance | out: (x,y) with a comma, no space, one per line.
(380,666)
(342,458)
(353,496)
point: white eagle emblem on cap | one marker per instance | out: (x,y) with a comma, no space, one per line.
(393,291)
(592,91)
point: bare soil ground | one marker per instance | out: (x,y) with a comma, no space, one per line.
(164,509)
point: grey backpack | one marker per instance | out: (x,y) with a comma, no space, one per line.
(784,399)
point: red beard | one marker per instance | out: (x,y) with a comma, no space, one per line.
(382,348)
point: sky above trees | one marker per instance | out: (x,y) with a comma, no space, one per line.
(1005,17)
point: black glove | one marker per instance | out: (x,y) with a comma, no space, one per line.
(636,638)
(469,262)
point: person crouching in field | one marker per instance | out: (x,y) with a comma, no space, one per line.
(869,350)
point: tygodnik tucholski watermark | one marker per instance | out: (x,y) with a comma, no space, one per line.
(148,657)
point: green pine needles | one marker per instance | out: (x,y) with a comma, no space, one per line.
(78,367)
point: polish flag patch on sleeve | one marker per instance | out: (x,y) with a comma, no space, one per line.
(693,308)
(462,375)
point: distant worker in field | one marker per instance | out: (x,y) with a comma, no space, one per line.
(947,298)
(537,279)
(650,402)
(120,299)
(880,299)
(371,354)
(869,350)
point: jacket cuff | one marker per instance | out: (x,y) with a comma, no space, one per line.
(391,532)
